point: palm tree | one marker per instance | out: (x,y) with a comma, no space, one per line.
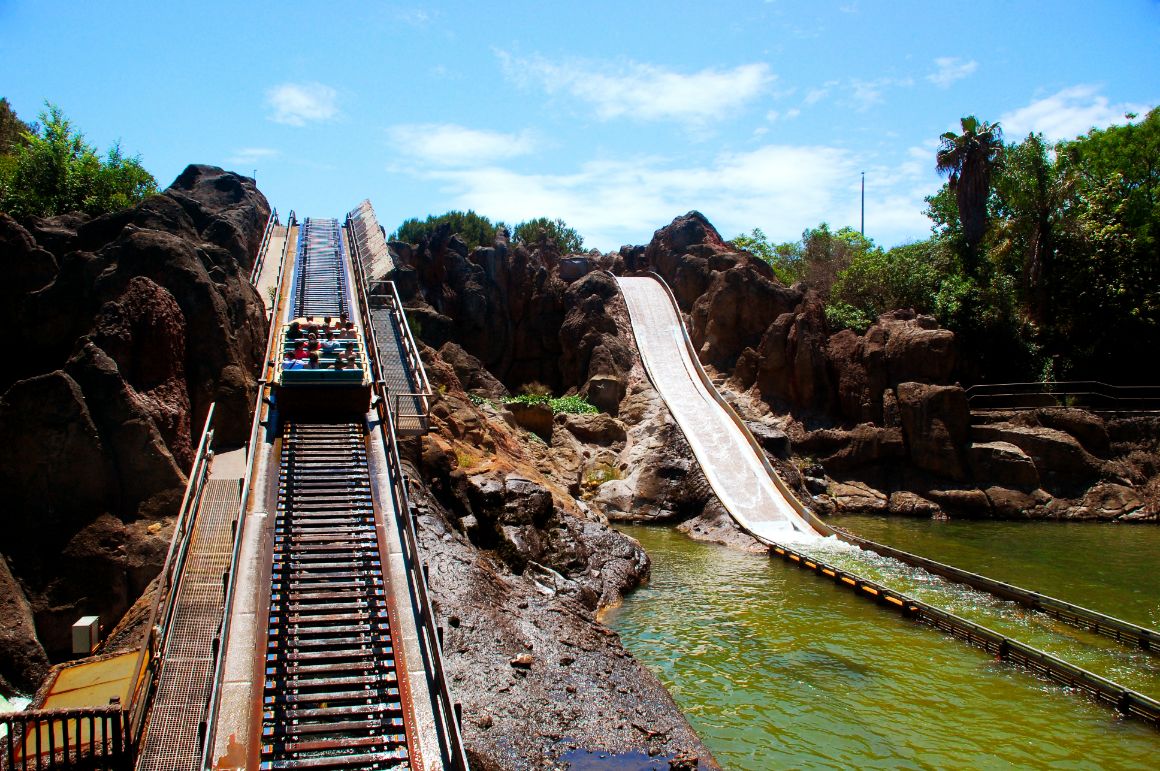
(967,159)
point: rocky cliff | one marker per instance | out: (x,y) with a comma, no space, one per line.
(877,421)
(124,329)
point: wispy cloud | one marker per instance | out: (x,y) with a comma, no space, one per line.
(296,104)
(644,91)
(864,94)
(949,69)
(1067,114)
(248,156)
(782,188)
(448,144)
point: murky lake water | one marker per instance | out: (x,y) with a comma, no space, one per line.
(778,668)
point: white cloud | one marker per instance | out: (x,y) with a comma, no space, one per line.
(781,188)
(295,104)
(1067,114)
(447,144)
(815,95)
(951,69)
(645,91)
(248,156)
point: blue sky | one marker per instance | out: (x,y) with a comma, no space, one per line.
(615,116)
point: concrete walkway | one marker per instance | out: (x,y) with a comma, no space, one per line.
(734,471)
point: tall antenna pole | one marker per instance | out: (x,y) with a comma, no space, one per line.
(863,204)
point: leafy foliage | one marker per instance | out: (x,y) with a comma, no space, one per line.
(781,257)
(54,171)
(1063,278)
(572,405)
(552,233)
(12,129)
(474,229)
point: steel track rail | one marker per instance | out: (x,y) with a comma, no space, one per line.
(332,696)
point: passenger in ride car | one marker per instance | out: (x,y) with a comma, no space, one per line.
(294,332)
(340,362)
(330,345)
(289,362)
(300,351)
(348,332)
(312,361)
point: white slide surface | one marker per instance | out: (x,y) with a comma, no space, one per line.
(734,471)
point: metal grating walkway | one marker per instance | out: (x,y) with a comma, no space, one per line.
(172,739)
(406,406)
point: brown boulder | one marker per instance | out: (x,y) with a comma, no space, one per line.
(1013,504)
(917,350)
(1002,463)
(1109,502)
(856,498)
(734,312)
(23,663)
(793,367)
(1063,464)
(471,373)
(55,472)
(536,418)
(907,504)
(863,445)
(1087,428)
(970,503)
(599,429)
(936,424)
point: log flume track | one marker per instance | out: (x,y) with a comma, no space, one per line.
(332,697)
(764,507)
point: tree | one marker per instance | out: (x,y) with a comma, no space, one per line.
(968,160)
(12,129)
(1032,188)
(54,171)
(545,232)
(474,229)
(783,258)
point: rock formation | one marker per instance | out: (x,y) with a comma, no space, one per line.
(881,411)
(130,325)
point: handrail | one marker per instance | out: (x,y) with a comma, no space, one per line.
(1070,613)
(161,612)
(240,522)
(260,257)
(1129,702)
(108,745)
(291,221)
(447,721)
(431,639)
(1093,394)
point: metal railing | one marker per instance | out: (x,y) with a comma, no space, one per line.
(1105,690)
(148,666)
(430,636)
(216,679)
(422,398)
(260,257)
(389,292)
(1089,394)
(90,738)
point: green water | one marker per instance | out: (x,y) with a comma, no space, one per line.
(778,668)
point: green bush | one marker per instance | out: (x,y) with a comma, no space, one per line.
(571,405)
(545,232)
(53,171)
(474,229)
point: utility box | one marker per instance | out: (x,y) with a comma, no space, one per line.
(86,633)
